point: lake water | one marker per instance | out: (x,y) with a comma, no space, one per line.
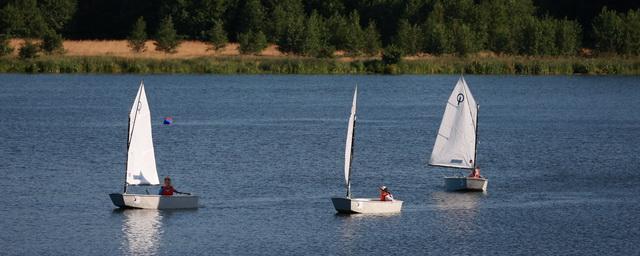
(265,153)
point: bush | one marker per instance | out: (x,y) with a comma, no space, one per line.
(52,43)
(392,55)
(5,48)
(167,38)
(325,52)
(28,50)
(138,36)
(252,43)
(217,37)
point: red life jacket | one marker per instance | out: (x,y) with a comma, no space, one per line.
(167,191)
(383,195)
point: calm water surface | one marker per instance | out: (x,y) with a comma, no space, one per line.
(265,153)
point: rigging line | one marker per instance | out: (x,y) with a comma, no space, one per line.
(129,133)
(133,126)
(475,125)
(353,139)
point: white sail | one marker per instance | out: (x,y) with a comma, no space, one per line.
(348,149)
(141,161)
(456,141)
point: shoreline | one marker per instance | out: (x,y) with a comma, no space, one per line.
(55,64)
(195,57)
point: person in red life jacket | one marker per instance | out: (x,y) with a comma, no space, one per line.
(475,173)
(167,189)
(385,195)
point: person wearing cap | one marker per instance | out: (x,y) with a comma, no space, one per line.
(167,189)
(385,195)
(475,173)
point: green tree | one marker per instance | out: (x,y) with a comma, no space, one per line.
(315,37)
(217,37)
(337,24)
(568,37)
(631,40)
(52,43)
(192,18)
(354,35)
(22,18)
(392,54)
(346,34)
(278,23)
(500,38)
(437,37)
(465,40)
(608,31)
(285,12)
(166,38)
(409,37)
(292,37)
(251,16)
(5,47)
(326,8)
(498,25)
(58,12)
(28,50)
(458,9)
(372,43)
(538,37)
(252,42)
(138,36)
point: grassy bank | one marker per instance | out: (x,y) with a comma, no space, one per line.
(299,65)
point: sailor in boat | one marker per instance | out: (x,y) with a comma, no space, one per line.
(475,173)
(167,189)
(385,195)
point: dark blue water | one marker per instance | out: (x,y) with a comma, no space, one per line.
(265,153)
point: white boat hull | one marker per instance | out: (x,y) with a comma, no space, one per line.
(461,183)
(365,205)
(141,201)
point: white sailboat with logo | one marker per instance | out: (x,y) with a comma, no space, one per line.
(359,205)
(457,140)
(141,164)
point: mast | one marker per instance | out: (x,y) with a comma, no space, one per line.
(348,151)
(126,159)
(353,140)
(475,153)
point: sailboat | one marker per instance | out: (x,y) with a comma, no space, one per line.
(359,205)
(141,164)
(457,141)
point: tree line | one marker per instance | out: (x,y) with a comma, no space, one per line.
(318,28)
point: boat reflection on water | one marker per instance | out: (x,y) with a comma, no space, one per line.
(142,231)
(354,226)
(458,211)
